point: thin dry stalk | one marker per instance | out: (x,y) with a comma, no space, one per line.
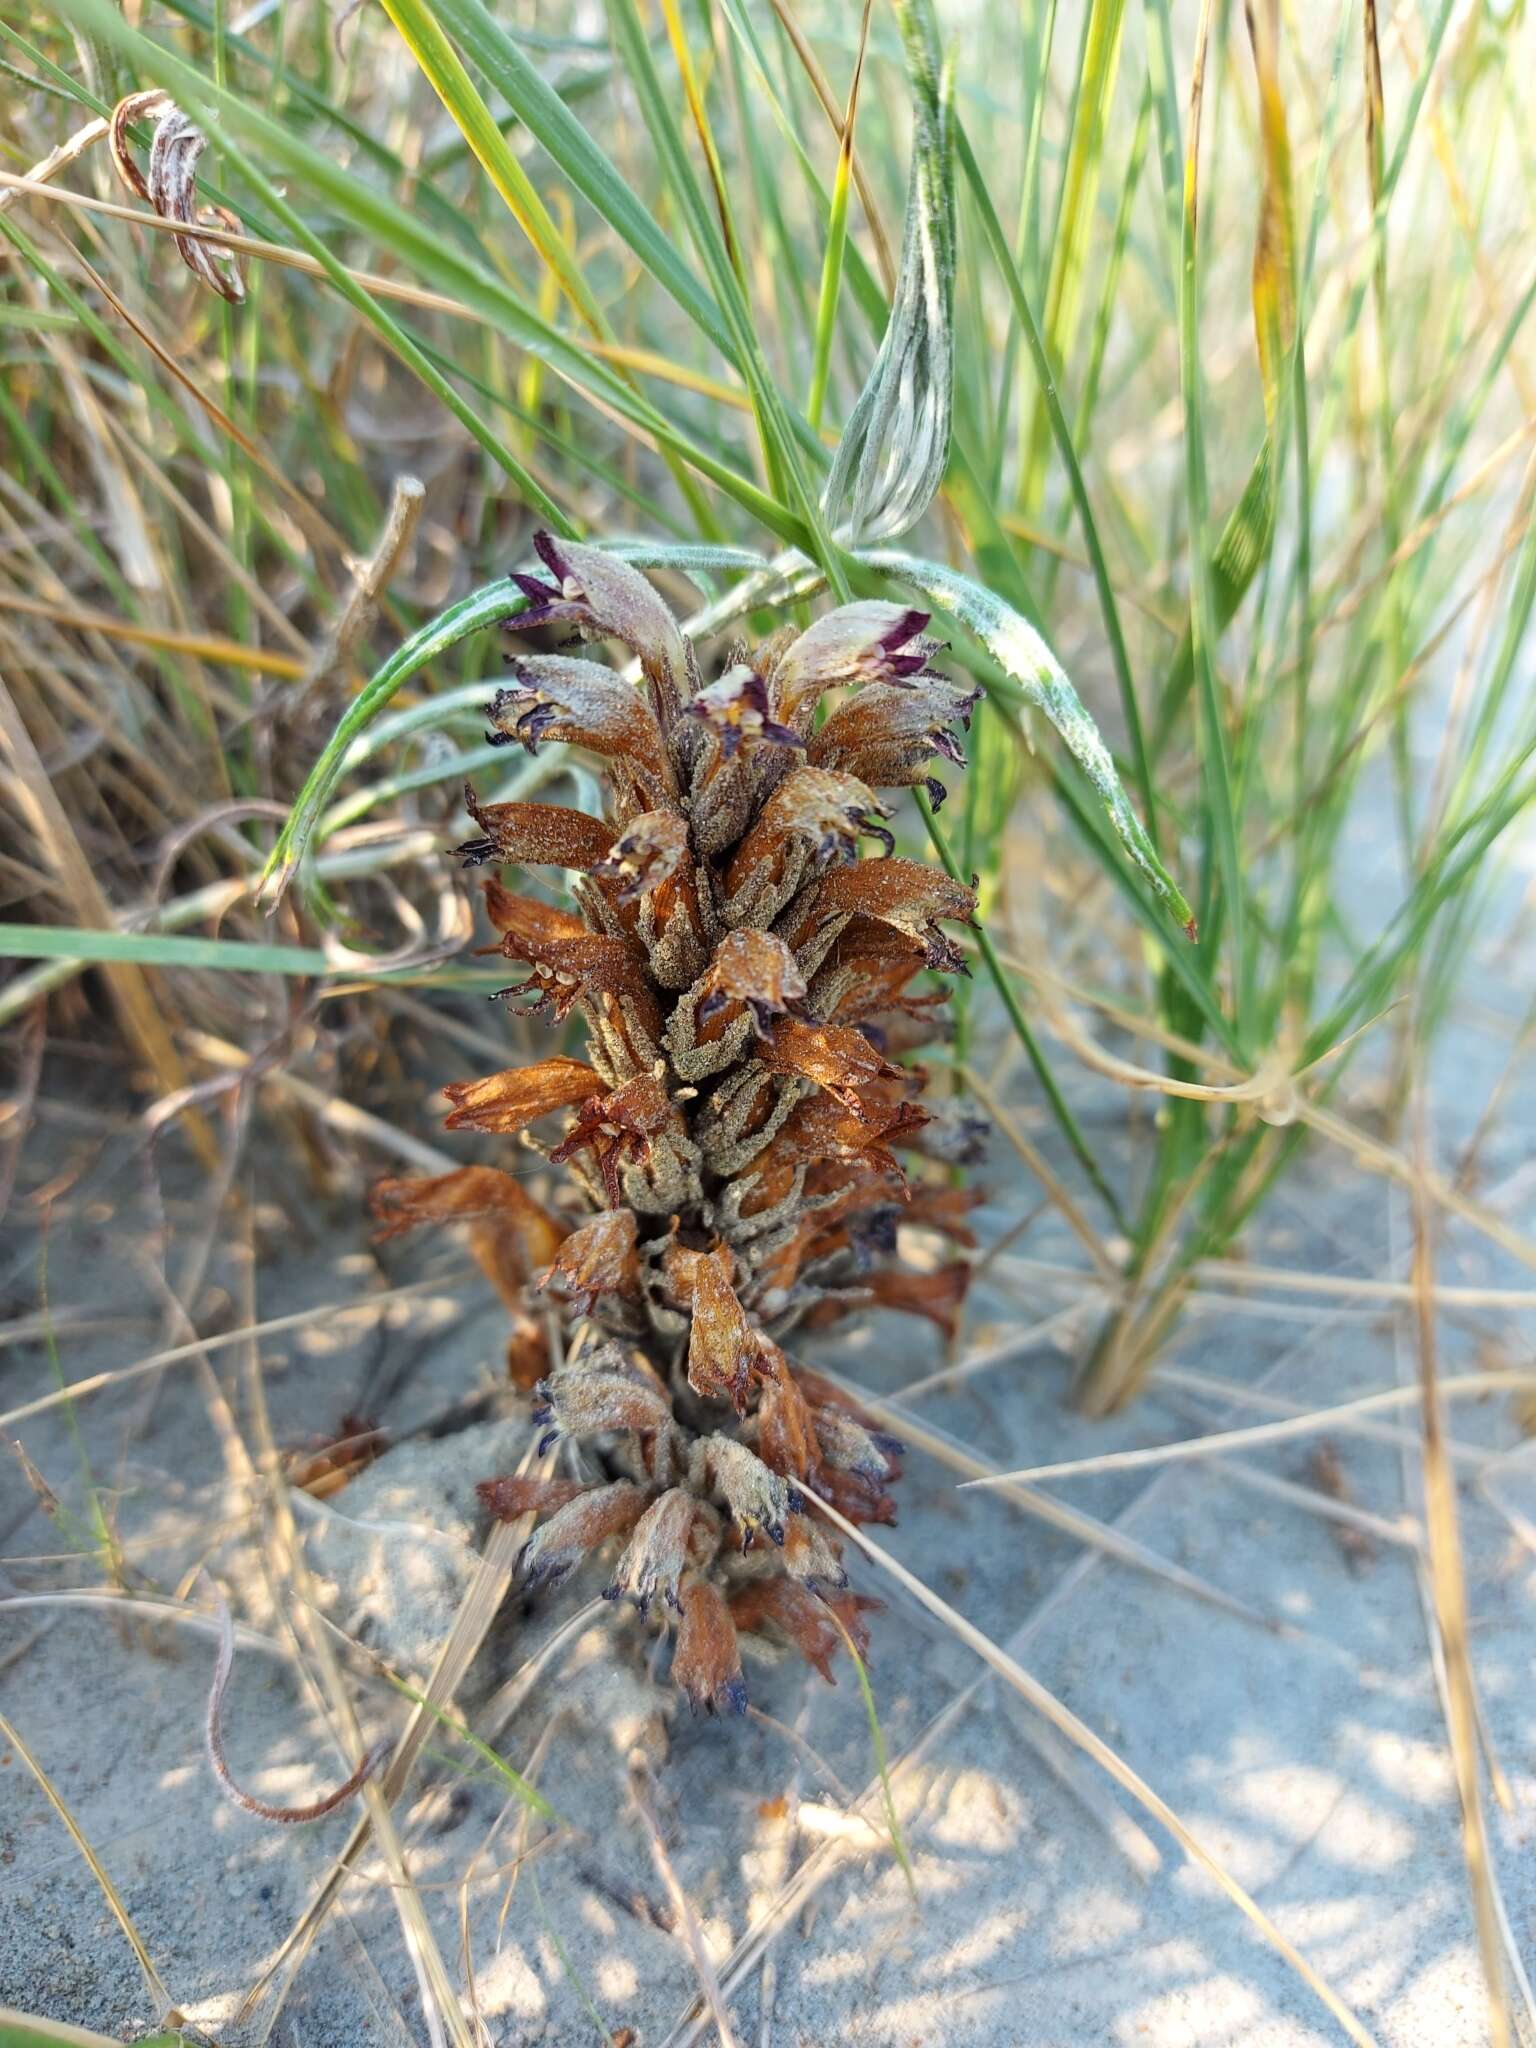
(370,580)
(648,362)
(315,1809)
(1220,1441)
(1447,1582)
(17,1112)
(342,1116)
(949,1377)
(1076,1221)
(686,1918)
(1084,1528)
(470,1626)
(445,2019)
(140,1008)
(1364,1149)
(1067,1723)
(179,1354)
(1215,1388)
(164,2005)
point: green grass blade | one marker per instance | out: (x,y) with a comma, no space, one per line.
(156,949)
(877,1743)
(779,442)
(1019,650)
(1071,1130)
(1109,610)
(1216,774)
(473,614)
(569,145)
(837,236)
(444,70)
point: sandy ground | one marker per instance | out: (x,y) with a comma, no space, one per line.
(1303,1741)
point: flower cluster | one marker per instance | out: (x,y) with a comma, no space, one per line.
(745,979)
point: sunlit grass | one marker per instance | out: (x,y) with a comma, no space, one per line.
(1290,426)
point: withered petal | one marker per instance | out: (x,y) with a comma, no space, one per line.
(597,1258)
(649,851)
(534,835)
(557,1546)
(510,1234)
(515,1493)
(657,1552)
(867,642)
(707,1661)
(842,1062)
(725,1353)
(938,1295)
(786,1431)
(510,1101)
(555,697)
(588,1403)
(887,734)
(806,1618)
(606,599)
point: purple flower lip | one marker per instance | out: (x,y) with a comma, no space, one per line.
(906,628)
(904,667)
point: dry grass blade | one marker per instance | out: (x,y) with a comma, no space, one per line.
(1076,1221)
(202,646)
(1067,1723)
(371,580)
(1220,1441)
(801,1886)
(289,1816)
(177,1354)
(834,114)
(686,1917)
(140,1008)
(471,1624)
(950,1376)
(1447,1582)
(1404,1534)
(1360,1146)
(938,1444)
(57,160)
(164,2004)
(1212,1386)
(398,291)
(317,529)
(445,2020)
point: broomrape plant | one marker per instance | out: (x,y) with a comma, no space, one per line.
(750,990)
(741,1132)
(746,981)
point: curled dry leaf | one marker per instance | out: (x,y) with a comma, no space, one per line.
(171,186)
(736,1126)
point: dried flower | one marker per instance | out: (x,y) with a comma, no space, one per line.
(745,980)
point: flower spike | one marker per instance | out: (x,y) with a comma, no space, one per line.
(744,962)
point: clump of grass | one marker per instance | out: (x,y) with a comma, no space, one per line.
(631,340)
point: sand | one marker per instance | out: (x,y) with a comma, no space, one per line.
(1303,1742)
